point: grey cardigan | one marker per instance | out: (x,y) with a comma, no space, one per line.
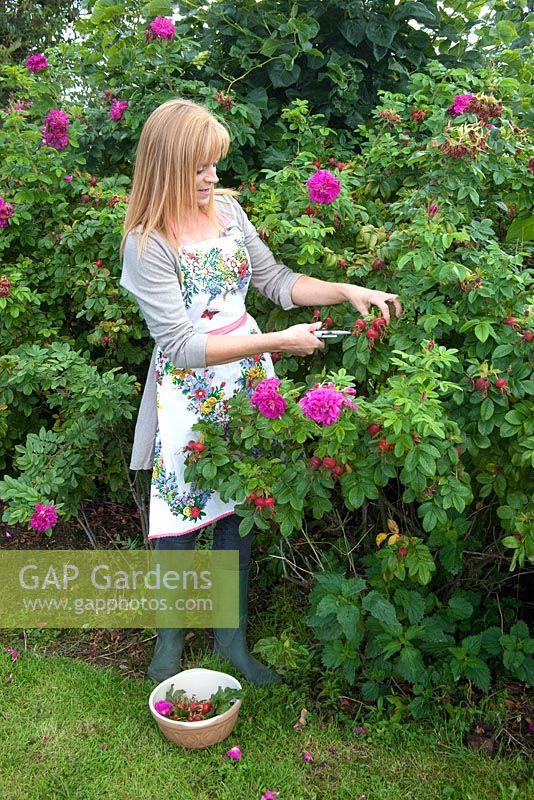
(154,279)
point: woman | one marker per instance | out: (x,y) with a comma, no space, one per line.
(189,255)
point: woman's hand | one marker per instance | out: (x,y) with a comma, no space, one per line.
(362,299)
(300,339)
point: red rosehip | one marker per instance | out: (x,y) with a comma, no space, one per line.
(342,262)
(269,501)
(315,462)
(379,323)
(309,210)
(459,451)
(373,428)
(481,384)
(340,165)
(518,537)
(501,383)
(328,322)
(106,340)
(252,497)
(528,336)
(403,551)
(431,344)
(338,470)
(206,707)
(372,333)
(329,462)
(197,718)
(252,188)
(331,160)
(85,198)
(199,447)
(316,163)
(512,322)
(384,446)
(316,314)
(93,181)
(260,502)
(378,263)
(99,263)
(360,324)
(275,357)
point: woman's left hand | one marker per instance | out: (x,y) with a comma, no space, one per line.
(362,299)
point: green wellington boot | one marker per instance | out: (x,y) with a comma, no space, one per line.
(167,659)
(231,643)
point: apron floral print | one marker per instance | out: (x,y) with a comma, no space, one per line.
(215,275)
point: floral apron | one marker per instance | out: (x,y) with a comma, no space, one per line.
(215,277)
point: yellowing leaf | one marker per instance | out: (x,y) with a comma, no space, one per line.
(394,538)
(380,538)
(393,527)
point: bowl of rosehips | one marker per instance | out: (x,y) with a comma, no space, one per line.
(197,707)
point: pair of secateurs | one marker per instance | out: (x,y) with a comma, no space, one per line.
(330,333)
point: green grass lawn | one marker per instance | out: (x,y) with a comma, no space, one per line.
(70,731)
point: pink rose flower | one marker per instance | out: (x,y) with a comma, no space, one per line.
(323,187)
(162,28)
(55,129)
(163,707)
(13,653)
(267,400)
(6,212)
(461,101)
(116,111)
(45,517)
(323,404)
(36,62)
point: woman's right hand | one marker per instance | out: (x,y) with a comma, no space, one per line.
(300,339)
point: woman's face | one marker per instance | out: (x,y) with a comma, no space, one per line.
(206,178)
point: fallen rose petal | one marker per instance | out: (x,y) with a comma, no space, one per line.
(269,795)
(234,753)
(13,653)
(307,756)
(361,729)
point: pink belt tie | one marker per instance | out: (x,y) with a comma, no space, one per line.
(232,326)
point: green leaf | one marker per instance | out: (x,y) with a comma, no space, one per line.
(353,30)
(417,11)
(106,10)
(280,76)
(348,617)
(482,331)
(412,603)
(410,664)
(460,608)
(380,30)
(478,672)
(521,228)
(380,608)
(506,30)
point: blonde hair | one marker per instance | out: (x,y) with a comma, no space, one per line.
(177,137)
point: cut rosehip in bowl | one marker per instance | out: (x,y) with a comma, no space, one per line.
(191,722)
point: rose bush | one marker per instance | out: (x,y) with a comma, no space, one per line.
(421,428)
